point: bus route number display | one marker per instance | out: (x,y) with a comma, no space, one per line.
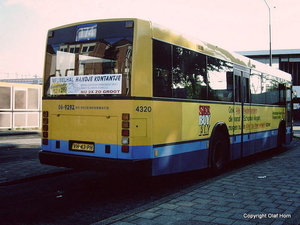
(87,84)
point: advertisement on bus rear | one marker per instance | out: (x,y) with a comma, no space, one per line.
(86,84)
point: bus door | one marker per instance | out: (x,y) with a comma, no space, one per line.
(241,106)
(289,110)
(246,115)
(285,98)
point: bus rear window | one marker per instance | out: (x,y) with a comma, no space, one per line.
(89,59)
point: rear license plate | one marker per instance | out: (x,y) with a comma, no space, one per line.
(80,146)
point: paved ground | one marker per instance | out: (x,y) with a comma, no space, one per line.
(17,170)
(264,193)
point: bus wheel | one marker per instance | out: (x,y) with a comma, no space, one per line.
(219,152)
(280,137)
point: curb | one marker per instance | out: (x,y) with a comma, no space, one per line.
(15,133)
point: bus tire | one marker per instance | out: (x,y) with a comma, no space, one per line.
(219,152)
(280,136)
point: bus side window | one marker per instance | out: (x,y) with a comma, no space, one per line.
(237,88)
(256,88)
(189,75)
(219,74)
(282,94)
(159,84)
(246,89)
(272,90)
(161,69)
(242,84)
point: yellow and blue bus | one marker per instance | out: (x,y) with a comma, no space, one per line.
(131,95)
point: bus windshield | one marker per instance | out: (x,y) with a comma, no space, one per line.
(89,60)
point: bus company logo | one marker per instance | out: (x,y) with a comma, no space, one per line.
(204,120)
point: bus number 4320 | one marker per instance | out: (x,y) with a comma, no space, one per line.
(143,109)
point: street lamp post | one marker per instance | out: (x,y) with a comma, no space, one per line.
(270,34)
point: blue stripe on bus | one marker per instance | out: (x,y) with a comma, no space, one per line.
(113,151)
(61,146)
(180,157)
(135,152)
(253,143)
(180,147)
(180,162)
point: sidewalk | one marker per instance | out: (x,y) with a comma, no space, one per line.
(263,193)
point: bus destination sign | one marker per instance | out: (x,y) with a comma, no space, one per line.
(86,32)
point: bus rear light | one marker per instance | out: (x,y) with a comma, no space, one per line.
(125,116)
(45,127)
(45,141)
(125,149)
(125,141)
(45,120)
(45,114)
(125,133)
(45,134)
(125,124)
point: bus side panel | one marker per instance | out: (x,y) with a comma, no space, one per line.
(136,152)
(167,118)
(181,132)
(235,147)
(180,157)
(141,79)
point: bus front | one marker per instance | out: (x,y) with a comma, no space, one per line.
(88,109)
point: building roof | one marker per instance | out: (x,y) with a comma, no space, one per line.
(267,52)
(23,80)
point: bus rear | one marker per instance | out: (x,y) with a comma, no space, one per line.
(89,119)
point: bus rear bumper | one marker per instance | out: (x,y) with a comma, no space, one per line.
(136,167)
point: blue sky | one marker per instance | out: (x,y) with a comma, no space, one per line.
(236,25)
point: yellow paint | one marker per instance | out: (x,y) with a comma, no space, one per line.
(99,129)
(167,117)
(99,121)
(179,121)
(141,78)
(138,128)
